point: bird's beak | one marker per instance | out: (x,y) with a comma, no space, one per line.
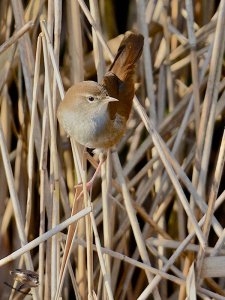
(110,99)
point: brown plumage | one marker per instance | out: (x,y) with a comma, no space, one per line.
(27,278)
(119,81)
(96,114)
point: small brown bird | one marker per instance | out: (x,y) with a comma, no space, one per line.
(95,114)
(26,278)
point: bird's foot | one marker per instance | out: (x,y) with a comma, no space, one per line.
(89,184)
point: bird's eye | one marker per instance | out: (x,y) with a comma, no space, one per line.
(91,98)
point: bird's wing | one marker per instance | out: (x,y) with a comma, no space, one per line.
(117,89)
(119,81)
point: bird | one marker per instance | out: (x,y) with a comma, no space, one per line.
(95,114)
(26,278)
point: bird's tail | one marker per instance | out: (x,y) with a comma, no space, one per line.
(128,53)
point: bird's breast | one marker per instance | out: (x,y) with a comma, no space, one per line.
(96,131)
(105,133)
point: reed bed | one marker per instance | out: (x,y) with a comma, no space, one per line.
(152,227)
